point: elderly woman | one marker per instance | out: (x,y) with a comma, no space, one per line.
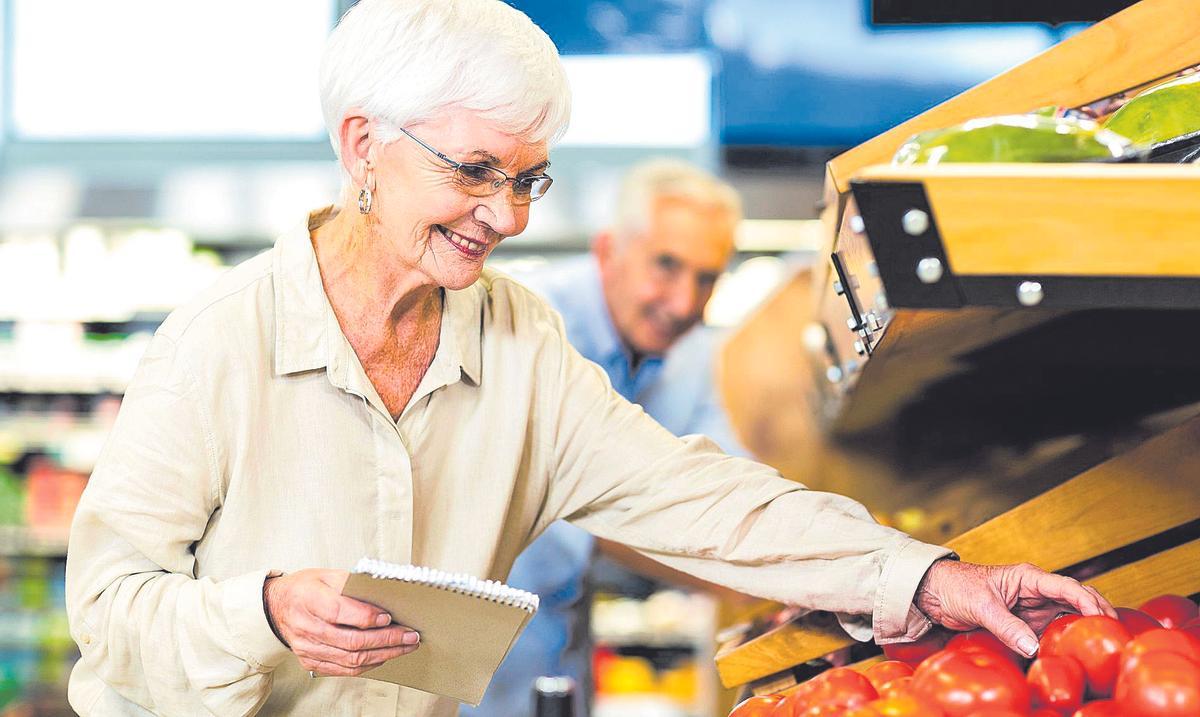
(368,388)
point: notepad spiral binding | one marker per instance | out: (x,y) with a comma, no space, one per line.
(492,590)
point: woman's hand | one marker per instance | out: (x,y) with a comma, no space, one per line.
(329,633)
(1013,602)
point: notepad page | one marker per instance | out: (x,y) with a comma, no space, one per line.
(466,628)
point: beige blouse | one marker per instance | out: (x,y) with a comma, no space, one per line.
(252,441)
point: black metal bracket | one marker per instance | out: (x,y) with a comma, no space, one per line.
(898,252)
(847,284)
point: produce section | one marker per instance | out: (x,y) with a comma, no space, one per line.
(992,354)
(1134,666)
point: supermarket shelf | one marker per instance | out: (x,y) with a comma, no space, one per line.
(81,385)
(87,315)
(17,541)
(689,643)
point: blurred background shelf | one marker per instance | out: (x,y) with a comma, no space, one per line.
(21,542)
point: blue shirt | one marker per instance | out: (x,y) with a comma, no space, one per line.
(677,391)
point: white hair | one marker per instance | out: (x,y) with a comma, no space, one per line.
(664,178)
(407,61)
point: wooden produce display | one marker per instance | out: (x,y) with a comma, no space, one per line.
(998,357)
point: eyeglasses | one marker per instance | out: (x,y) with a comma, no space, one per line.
(480,180)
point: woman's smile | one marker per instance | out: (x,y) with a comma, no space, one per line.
(468,247)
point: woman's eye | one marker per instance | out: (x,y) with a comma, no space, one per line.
(476,174)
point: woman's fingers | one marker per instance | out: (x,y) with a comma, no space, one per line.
(350,659)
(353,639)
(337,609)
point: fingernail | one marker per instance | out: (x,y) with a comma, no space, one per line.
(1028,646)
(384,619)
(410,638)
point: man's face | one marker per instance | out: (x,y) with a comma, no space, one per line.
(657,283)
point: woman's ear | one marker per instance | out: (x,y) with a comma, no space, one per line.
(355,142)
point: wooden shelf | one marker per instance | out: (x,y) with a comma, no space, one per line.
(1134,496)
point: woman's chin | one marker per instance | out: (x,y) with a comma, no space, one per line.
(460,277)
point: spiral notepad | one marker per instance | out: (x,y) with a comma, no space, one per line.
(467,625)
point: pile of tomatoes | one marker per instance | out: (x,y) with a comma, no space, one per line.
(1146,663)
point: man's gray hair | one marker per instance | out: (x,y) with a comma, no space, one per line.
(406,61)
(665,178)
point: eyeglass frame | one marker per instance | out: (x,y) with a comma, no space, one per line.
(457,166)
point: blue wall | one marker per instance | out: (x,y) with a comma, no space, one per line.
(798,72)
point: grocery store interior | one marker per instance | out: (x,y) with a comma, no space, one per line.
(146,147)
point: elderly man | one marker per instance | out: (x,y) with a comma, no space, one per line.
(633,306)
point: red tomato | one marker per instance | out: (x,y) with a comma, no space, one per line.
(915,652)
(1057,682)
(761,706)
(898,686)
(1192,628)
(906,706)
(984,640)
(997,713)
(1045,712)
(1171,610)
(1049,642)
(1162,640)
(793,703)
(1096,641)
(796,700)
(1099,708)
(884,672)
(825,710)
(964,681)
(1136,621)
(843,687)
(863,711)
(1159,684)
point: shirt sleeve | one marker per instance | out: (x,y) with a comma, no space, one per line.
(146,627)
(728,520)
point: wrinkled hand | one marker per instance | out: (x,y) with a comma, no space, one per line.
(329,633)
(1014,602)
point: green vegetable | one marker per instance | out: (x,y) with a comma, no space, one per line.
(1015,138)
(1162,112)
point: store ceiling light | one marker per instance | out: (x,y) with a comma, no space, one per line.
(145,69)
(640,100)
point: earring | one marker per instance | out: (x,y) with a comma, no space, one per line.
(365,197)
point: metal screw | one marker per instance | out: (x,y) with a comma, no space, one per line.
(915,222)
(860,348)
(857,225)
(873,322)
(872,269)
(853,323)
(834,374)
(850,367)
(838,288)
(1030,293)
(881,302)
(929,270)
